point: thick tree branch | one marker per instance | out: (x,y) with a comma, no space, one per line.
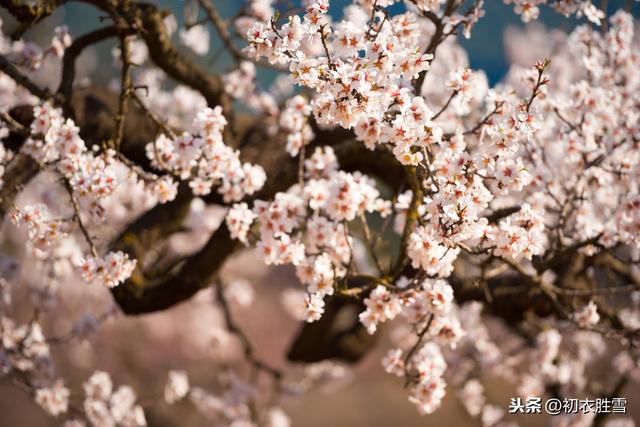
(165,55)
(142,295)
(29,14)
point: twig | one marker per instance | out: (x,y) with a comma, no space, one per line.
(221,27)
(160,123)
(248,350)
(13,124)
(567,122)
(9,69)
(595,291)
(78,218)
(540,81)
(436,39)
(72,53)
(410,221)
(370,242)
(415,347)
(125,90)
(445,106)
(486,119)
(326,48)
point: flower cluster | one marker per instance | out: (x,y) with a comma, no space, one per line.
(382,305)
(350,92)
(521,235)
(54,400)
(529,10)
(177,387)
(240,83)
(108,271)
(43,230)
(307,229)
(205,160)
(428,252)
(23,347)
(61,40)
(30,55)
(425,367)
(92,178)
(429,366)
(239,220)
(587,315)
(429,308)
(294,121)
(196,38)
(105,407)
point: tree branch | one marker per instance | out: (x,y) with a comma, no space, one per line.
(12,71)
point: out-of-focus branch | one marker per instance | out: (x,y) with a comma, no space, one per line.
(78,217)
(18,172)
(125,89)
(486,120)
(159,122)
(166,56)
(235,329)
(511,299)
(498,214)
(436,39)
(71,54)
(221,27)
(12,71)
(256,363)
(13,124)
(337,335)
(615,392)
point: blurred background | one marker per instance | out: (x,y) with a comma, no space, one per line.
(139,351)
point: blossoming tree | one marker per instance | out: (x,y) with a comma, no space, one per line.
(379,166)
